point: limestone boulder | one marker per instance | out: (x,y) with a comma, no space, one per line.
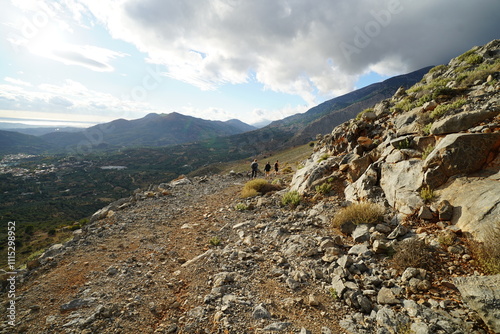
(401,182)
(462,121)
(476,203)
(462,153)
(365,188)
(313,170)
(358,166)
(406,122)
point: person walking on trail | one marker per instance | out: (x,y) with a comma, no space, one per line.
(255,168)
(267,169)
(276,167)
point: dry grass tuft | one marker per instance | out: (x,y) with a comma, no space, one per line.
(258,187)
(359,213)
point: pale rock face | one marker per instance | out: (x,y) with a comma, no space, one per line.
(463,152)
(365,188)
(400,183)
(462,121)
(476,202)
(312,171)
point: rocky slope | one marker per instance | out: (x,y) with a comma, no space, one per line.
(443,135)
(180,258)
(191,256)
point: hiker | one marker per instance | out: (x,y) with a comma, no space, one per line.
(255,167)
(267,169)
(276,167)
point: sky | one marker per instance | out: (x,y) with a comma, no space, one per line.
(83,62)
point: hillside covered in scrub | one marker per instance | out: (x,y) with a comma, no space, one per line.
(390,226)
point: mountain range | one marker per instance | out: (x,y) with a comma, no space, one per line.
(159,130)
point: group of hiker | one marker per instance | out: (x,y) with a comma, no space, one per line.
(267,168)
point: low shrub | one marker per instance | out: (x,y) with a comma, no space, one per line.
(334,294)
(438,68)
(406,104)
(291,198)
(427,151)
(359,213)
(404,144)
(442,92)
(324,188)
(215,241)
(360,115)
(480,73)
(474,59)
(421,101)
(258,187)
(426,129)
(323,157)
(426,193)
(241,207)
(411,253)
(444,108)
(75,227)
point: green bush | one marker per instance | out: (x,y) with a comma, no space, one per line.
(215,241)
(291,198)
(360,115)
(438,68)
(427,151)
(324,188)
(444,108)
(443,91)
(323,157)
(334,294)
(421,101)
(241,207)
(427,129)
(404,144)
(474,59)
(29,229)
(406,104)
(480,73)
(426,193)
(359,213)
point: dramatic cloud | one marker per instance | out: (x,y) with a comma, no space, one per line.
(313,49)
(296,46)
(71,98)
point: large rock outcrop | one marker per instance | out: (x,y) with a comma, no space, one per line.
(443,134)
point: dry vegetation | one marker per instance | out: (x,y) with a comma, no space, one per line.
(411,253)
(359,213)
(487,253)
(258,187)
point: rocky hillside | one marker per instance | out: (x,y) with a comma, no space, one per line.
(442,135)
(421,169)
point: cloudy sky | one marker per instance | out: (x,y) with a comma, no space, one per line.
(82,62)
